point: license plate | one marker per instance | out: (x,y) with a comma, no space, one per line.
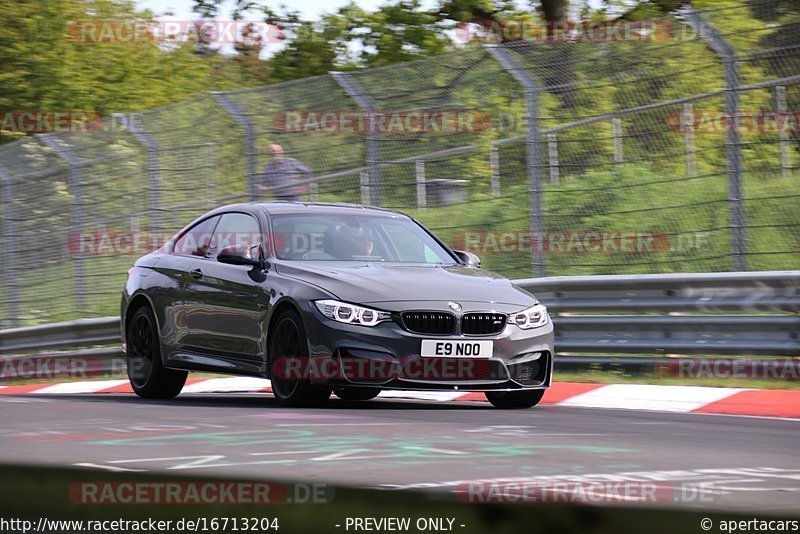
(445,348)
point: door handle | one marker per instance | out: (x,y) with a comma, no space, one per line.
(197,274)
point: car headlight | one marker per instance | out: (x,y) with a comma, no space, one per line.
(533,317)
(350,313)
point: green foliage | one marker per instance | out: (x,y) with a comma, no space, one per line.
(46,65)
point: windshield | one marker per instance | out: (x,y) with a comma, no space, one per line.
(355,238)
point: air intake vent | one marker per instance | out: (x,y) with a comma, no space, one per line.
(531,372)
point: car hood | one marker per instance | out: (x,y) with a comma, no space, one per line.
(373,283)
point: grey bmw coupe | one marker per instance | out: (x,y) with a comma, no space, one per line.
(323,298)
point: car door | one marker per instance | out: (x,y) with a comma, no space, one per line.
(226,305)
(176,265)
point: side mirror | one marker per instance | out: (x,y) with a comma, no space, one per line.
(468,258)
(234,255)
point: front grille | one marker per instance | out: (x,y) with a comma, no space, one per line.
(482,324)
(427,322)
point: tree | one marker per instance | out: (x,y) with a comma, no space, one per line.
(401,31)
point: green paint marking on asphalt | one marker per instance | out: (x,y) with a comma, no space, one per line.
(523,450)
(391,450)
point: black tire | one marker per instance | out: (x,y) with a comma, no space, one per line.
(515,399)
(146,372)
(288,342)
(357,394)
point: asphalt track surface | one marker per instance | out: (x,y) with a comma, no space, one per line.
(712,462)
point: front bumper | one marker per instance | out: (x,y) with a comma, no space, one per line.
(387,356)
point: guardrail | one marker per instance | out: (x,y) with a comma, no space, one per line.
(752,313)
(709,314)
(72,334)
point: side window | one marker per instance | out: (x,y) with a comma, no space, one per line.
(235,229)
(196,240)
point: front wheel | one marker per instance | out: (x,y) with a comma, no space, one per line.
(288,356)
(515,399)
(146,372)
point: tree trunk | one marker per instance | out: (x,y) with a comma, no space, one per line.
(555,13)
(555,10)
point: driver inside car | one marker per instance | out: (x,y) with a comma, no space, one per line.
(347,243)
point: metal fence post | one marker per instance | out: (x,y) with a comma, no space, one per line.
(132,122)
(494,165)
(552,156)
(372,136)
(249,132)
(533,153)
(77,218)
(616,133)
(9,247)
(687,121)
(783,132)
(422,190)
(733,149)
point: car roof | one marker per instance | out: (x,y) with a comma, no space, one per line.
(286,207)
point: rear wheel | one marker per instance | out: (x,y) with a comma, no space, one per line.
(357,394)
(515,399)
(146,372)
(288,356)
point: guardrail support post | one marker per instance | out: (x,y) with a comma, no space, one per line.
(533,152)
(363,178)
(616,133)
(9,247)
(372,137)
(783,132)
(552,156)
(733,149)
(687,121)
(422,190)
(494,165)
(77,218)
(249,132)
